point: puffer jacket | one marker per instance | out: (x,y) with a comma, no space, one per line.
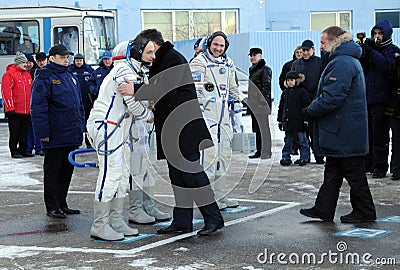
(340,108)
(377,64)
(56,107)
(16,89)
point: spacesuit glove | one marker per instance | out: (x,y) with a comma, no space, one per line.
(238,125)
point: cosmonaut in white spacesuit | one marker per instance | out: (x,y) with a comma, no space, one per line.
(109,126)
(218,94)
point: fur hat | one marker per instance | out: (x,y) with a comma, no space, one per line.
(20,58)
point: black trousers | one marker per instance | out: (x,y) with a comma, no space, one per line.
(263,147)
(18,126)
(395,159)
(57,177)
(189,187)
(378,138)
(353,170)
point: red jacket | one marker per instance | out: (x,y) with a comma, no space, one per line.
(16,89)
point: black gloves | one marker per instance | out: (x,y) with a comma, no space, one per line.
(280,125)
(366,49)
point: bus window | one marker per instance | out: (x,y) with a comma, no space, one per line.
(67,36)
(19,36)
(98,37)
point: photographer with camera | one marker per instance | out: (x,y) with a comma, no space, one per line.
(378,54)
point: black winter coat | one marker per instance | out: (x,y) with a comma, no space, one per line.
(261,75)
(312,69)
(293,100)
(177,88)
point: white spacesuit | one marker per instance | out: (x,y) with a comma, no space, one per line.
(142,209)
(218,95)
(108,126)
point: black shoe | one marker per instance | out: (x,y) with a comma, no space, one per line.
(40,153)
(302,163)
(27,154)
(174,229)
(378,174)
(353,218)
(297,161)
(256,155)
(210,229)
(16,155)
(56,214)
(312,213)
(285,162)
(70,211)
(395,176)
(319,160)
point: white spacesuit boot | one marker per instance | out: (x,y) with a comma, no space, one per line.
(150,206)
(220,194)
(136,213)
(117,221)
(101,228)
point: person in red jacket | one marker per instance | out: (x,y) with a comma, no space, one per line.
(16,92)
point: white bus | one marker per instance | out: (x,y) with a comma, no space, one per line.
(37,28)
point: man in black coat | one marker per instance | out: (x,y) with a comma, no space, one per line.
(310,65)
(181,133)
(260,94)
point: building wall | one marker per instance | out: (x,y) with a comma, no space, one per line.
(289,15)
(295,15)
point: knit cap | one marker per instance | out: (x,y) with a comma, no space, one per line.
(20,58)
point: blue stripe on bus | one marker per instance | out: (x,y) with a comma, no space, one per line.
(46,34)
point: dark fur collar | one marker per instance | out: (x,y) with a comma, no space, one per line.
(260,64)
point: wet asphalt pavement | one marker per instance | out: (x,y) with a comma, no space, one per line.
(265,232)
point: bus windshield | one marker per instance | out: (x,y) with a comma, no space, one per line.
(98,37)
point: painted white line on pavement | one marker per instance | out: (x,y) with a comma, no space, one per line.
(156,195)
(5,249)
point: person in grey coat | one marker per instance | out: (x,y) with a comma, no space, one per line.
(339,111)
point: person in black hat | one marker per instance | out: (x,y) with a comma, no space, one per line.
(260,102)
(311,67)
(33,142)
(83,72)
(293,99)
(58,119)
(41,59)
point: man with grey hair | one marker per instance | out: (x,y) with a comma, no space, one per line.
(339,111)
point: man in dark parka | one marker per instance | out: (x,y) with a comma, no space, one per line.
(181,133)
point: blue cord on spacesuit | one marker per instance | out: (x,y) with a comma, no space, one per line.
(128,56)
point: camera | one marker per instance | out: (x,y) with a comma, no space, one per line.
(370,41)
